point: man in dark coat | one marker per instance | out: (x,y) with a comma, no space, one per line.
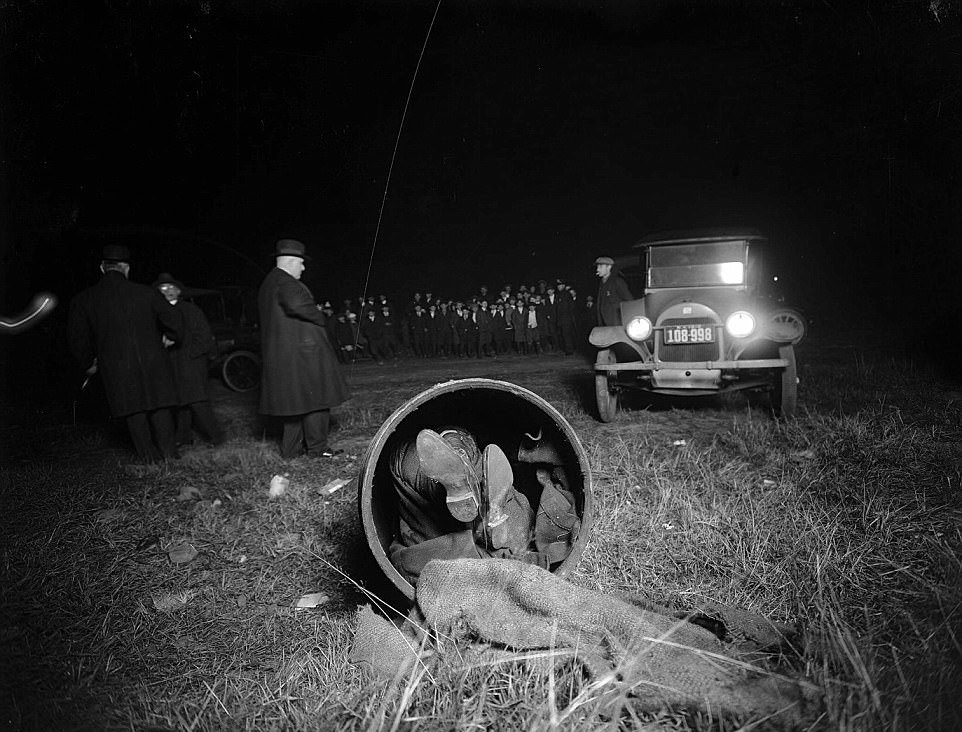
(485,330)
(190,359)
(567,323)
(301,381)
(391,344)
(116,328)
(612,291)
(548,317)
(419,331)
(372,328)
(435,325)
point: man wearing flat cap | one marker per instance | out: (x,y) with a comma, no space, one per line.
(190,360)
(612,291)
(116,328)
(300,381)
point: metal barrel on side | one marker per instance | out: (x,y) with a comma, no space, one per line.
(494,412)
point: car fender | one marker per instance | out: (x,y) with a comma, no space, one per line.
(605,336)
(609,336)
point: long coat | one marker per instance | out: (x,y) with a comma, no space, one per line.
(190,356)
(300,372)
(120,323)
(519,324)
(611,293)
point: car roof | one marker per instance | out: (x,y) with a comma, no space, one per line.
(695,236)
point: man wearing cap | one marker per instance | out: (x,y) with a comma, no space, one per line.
(612,291)
(115,328)
(300,381)
(190,359)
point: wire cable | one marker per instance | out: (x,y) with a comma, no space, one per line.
(390,171)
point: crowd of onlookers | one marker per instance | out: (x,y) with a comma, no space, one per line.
(526,320)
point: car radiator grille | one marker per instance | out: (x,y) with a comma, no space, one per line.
(686,351)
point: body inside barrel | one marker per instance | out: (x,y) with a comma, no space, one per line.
(495,412)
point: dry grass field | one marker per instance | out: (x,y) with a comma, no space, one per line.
(846,521)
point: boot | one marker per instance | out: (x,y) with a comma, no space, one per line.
(447,466)
(498,482)
(509,521)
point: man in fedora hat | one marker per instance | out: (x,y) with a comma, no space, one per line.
(190,359)
(612,291)
(300,381)
(115,328)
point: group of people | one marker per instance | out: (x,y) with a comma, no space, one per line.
(151,347)
(527,320)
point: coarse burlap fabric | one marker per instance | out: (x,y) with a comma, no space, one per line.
(656,659)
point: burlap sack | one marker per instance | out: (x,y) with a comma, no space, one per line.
(656,659)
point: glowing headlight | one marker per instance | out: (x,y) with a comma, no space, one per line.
(638,328)
(740,324)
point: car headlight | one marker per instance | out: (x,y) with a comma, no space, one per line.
(638,328)
(740,324)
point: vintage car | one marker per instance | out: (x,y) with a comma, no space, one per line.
(704,324)
(231,312)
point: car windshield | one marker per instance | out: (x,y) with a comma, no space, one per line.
(697,265)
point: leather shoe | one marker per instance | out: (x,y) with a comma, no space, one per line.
(442,463)
(498,482)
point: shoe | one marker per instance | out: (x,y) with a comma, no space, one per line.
(509,520)
(442,463)
(327,452)
(498,483)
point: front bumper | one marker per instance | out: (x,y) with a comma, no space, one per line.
(753,363)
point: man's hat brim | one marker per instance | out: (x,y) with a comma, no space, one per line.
(291,248)
(115,253)
(166,278)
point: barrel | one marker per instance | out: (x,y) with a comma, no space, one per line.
(494,412)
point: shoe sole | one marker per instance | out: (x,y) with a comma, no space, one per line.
(443,464)
(498,480)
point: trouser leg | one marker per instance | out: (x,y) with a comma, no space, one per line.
(292,440)
(139,429)
(316,426)
(162,423)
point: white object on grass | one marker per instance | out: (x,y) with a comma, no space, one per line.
(279,484)
(311,599)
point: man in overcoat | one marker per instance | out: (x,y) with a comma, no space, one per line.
(190,358)
(567,324)
(372,328)
(116,328)
(301,380)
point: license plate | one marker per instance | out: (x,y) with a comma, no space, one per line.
(678,334)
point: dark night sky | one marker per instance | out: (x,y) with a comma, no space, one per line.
(538,135)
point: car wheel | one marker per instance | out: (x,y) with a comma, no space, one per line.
(606,398)
(241,371)
(785,386)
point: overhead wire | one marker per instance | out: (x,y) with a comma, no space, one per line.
(387,183)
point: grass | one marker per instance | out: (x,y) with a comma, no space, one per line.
(846,521)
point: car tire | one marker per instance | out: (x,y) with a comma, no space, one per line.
(241,371)
(785,386)
(606,398)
